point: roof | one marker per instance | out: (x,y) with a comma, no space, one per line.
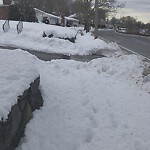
(72,16)
(50,15)
(46,14)
(72,19)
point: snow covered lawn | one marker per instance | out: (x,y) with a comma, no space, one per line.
(100,105)
(17,72)
(31,38)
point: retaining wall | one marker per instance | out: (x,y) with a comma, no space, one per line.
(12,130)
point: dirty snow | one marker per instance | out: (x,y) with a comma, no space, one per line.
(91,106)
(17,71)
(31,38)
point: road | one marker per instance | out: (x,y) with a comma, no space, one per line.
(138,44)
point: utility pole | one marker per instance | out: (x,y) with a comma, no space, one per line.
(62,14)
(96,20)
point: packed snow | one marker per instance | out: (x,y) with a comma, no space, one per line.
(98,105)
(91,106)
(32,38)
(17,71)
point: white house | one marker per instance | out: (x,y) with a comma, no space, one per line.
(71,22)
(41,15)
(55,20)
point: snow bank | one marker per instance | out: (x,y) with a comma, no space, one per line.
(31,38)
(91,106)
(17,72)
(63,32)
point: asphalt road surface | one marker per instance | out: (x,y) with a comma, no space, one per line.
(137,44)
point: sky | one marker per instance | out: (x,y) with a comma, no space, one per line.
(140,9)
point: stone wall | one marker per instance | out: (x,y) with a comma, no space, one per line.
(12,130)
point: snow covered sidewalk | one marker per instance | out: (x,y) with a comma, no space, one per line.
(91,106)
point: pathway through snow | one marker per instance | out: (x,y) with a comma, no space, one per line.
(90,106)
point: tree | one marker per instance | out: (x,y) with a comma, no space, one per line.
(14,13)
(114,21)
(130,24)
(148,28)
(26,8)
(57,7)
(54,6)
(29,14)
(85,9)
(110,5)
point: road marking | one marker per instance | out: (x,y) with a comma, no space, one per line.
(125,48)
(133,52)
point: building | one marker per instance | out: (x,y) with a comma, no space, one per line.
(4,8)
(54,20)
(71,22)
(51,19)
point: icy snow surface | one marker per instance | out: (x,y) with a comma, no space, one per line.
(91,106)
(17,71)
(31,38)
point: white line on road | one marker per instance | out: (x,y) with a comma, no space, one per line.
(133,52)
(125,48)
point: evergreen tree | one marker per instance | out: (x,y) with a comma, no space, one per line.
(14,13)
(26,8)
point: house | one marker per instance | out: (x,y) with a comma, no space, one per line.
(45,17)
(53,19)
(4,8)
(71,22)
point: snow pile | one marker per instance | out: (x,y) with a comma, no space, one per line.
(17,71)
(146,76)
(62,32)
(91,106)
(31,38)
(88,45)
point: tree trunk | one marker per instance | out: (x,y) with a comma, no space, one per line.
(63,20)
(87,26)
